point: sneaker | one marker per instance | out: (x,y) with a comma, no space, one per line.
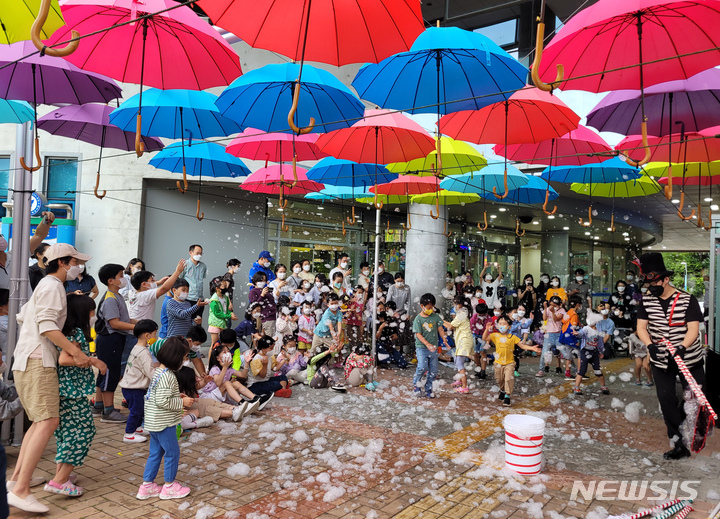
(649,383)
(430,394)
(501,396)
(638,382)
(339,388)
(577,391)
(558,370)
(252,407)
(568,375)
(457,383)
(148,490)
(676,453)
(66,489)
(140,430)
(36,481)
(265,400)
(97,411)
(604,390)
(461,390)
(239,411)
(541,373)
(547,369)
(284,393)
(483,375)
(413,361)
(174,491)
(205,421)
(124,403)
(417,390)
(29,504)
(516,374)
(506,402)
(134,438)
(114,417)
(586,377)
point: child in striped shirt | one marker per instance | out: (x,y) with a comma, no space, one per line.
(163,412)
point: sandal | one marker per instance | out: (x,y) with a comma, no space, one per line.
(461,390)
(457,383)
(66,489)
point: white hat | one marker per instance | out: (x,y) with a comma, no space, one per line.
(63,250)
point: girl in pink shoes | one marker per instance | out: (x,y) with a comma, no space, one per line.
(464,343)
(163,411)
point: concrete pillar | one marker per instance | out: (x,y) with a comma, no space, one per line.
(555,255)
(426,253)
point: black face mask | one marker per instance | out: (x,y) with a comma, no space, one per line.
(656,290)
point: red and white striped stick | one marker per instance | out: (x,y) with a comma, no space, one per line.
(692,383)
(654,509)
(673,510)
(684,512)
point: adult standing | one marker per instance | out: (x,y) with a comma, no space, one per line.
(581,288)
(306,273)
(668,313)
(41,321)
(41,233)
(37,271)
(195,273)
(541,294)
(343,266)
(262,265)
(83,285)
(526,294)
(294,280)
(233,265)
(385,279)
(134,266)
(490,287)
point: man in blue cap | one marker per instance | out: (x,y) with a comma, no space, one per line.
(262,265)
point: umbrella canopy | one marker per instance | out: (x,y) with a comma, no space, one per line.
(445,197)
(202,159)
(642,186)
(55,80)
(457,157)
(407,185)
(338,193)
(692,169)
(262,99)
(272,179)
(337,32)
(695,148)
(695,101)
(444,65)
(18,16)
(181,49)
(531,193)
(175,114)
(380,137)
(91,123)
(16,112)
(612,170)
(604,37)
(483,181)
(338,172)
(572,149)
(385,199)
(530,115)
(692,181)
(275,147)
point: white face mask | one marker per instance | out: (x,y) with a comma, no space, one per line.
(73,272)
(621,289)
(521,313)
(468,296)
(306,268)
(478,295)
(281,275)
(256,315)
(488,278)
(513,316)
(528,282)
(604,312)
(343,265)
(497,313)
(260,284)
(579,279)
(291,351)
(555,283)
(333,308)
(630,278)
(285,310)
(153,285)
(366,273)
(123,280)
(197,257)
(267,264)
(381,270)
(400,284)
(307,311)
(617,312)
(306,286)
(297,270)
(133,270)
(544,279)
(318,284)
(643,289)
(182,296)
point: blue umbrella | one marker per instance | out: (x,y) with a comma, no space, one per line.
(609,171)
(262,99)
(482,182)
(16,112)
(175,114)
(531,193)
(338,193)
(201,158)
(338,172)
(444,65)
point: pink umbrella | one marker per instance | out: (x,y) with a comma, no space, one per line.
(407,185)
(692,147)
(577,148)
(275,147)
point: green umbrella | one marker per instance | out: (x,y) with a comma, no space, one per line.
(457,157)
(445,197)
(692,169)
(643,186)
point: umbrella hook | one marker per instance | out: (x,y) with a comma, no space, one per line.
(680,209)
(539,43)
(97,185)
(352,220)
(486,222)
(700,222)
(37,41)
(295,181)
(343,228)
(648,152)
(506,188)
(547,199)
(517,228)
(437,208)
(293,109)
(710,220)
(446,232)
(389,231)
(185,182)
(589,222)
(669,187)
(378,203)
(612,222)
(283,201)
(37,156)
(283,226)
(199,215)
(409,223)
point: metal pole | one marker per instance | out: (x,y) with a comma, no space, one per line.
(375,290)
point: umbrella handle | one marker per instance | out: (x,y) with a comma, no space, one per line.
(612,222)
(539,42)
(40,45)
(486,223)
(506,188)
(648,152)
(437,209)
(343,227)
(180,186)
(97,185)
(352,220)
(198,215)
(378,203)
(293,109)
(517,228)
(389,231)
(283,226)
(680,208)
(669,186)
(37,157)
(710,220)
(547,199)
(446,232)
(589,222)
(295,181)
(283,202)
(139,145)
(409,223)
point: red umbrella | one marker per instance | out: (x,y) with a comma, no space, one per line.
(407,185)
(337,32)
(695,147)
(275,147)
(577,148)
(695,181)
(530,115)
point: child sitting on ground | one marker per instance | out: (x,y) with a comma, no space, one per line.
(318,369)
(478,322)
(286,325)
(463,341)
(386,337)
(218,385)
(261,367)
(292,362)
(639,352)
(358,368)
(591,351)
(248,331)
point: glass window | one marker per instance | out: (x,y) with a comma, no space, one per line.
(602,269)
(503,33)
(61,178)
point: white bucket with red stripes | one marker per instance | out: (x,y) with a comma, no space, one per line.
(523,443)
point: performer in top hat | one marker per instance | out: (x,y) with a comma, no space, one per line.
(666,312)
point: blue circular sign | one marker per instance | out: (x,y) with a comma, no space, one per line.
(36,204)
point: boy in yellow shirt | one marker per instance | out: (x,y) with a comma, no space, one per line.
(504,366)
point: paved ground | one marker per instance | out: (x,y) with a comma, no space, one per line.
(390,454)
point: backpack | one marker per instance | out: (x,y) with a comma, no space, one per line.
(100,325)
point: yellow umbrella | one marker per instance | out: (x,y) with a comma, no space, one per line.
(457,157)
(17,16)
(643,186)
(445,197)
(692,169)
(385,199)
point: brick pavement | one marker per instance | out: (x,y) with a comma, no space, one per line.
(388,454)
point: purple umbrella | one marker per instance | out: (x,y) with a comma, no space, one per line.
(48,80)
(694,101)
(91,123)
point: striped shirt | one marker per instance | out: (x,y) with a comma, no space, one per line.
(163,404)
(179,317)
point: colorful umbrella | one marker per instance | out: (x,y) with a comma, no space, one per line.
(484,181)
(612,170)
(385,199)
(337,193)
(531,193)
(338,172)
(18,16)
(690,169)
(695,101)
(275,147)
(691,147)
(407,185)
(457,157)
(695,181)
(15,112)
(202,158)
(262,98)
(335,32)
(642,186)
(446,70)
(579,147)
(278,179)
(445,197)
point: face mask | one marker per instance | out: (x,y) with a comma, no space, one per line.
(528,282)
(656,290)
(521,313)
(555,283)
(513,316)
(306,268)
(366,273)
(544,279)
(296,270)
(134,270)
(225,357)
(260,284)
(333,308)
(643,290)
(306,286)
(152,340)
(337,285)
(579,279)
(3,244)
(488,278)
(318,284)
(400,284)
(182,296)
(291,351)
(343,265)
(502,328)
(427,311)
(621,289)
(617,312)
(153,285)
(381,269)
(123,281)
(285,310)
(497,313)
(256,316)
(93,320)
(197,257)
(307,311)
(281,275)
(468,296)
(630,278)
(604,312)
(73,272)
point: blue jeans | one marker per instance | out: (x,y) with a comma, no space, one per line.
(163,444)
(426,362)
(136,404)
(130,342)
(551,339)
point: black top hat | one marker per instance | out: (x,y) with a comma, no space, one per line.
(652,267)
